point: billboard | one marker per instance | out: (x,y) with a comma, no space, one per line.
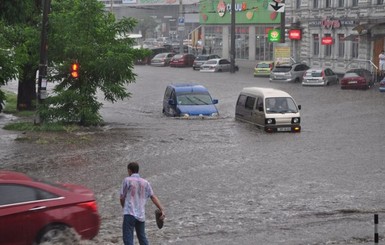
(246,12)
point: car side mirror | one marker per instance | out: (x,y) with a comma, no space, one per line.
(215,101)
(171,102)
(299,107)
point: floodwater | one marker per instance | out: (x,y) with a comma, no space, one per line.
(222,181)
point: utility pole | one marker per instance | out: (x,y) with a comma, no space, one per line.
(42,80)
(283,25)
(232,37)
(181,27)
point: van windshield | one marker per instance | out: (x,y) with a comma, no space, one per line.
(280,105)
(194,99)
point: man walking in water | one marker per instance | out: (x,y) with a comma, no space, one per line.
(381,67)
(133,196)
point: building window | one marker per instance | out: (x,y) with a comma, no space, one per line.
(355,48)
(298,4)
(379,2)
(341,45)
(315,4)
(341,3)
(355,3)
(328,48)
(328,4)
(263,48)
(315,44)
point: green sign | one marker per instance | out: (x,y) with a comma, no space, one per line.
(274,35)
(246,12)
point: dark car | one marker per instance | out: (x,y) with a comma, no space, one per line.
(382,85)
(357,79)
(33,211)
(200,59)
(182,60)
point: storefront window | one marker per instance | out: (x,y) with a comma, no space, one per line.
(355,48)
(328,48)
(341,45)
(315,44)
(263,48)
(213,39)
(241,42)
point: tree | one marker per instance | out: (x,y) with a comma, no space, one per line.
(146,24)
(81,31)
(21,25)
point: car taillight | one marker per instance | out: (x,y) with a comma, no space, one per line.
(92,206)
(323,75)
(271,67)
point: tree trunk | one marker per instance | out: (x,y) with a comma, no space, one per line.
(26,96)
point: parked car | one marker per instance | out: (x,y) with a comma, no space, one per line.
(200,59)
(217,65)
(382,85)
(33,211)
(357,79)
(320,76)
(263,68)
(182,60)
(288,72)
(162,59)
(188,100)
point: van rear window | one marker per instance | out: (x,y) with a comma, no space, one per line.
(282,68)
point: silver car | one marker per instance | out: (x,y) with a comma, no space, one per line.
(217,65)
(320,76)
(200,59)
(288,72)
(162,59)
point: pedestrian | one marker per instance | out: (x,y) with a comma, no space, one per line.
(133,196)
(210,50)
(203,50)
(381,67)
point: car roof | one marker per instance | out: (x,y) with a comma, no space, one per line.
(267,92)
(12,175)
(188,87)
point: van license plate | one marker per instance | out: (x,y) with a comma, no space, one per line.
(286,129)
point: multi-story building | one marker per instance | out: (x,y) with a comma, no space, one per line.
(339,34)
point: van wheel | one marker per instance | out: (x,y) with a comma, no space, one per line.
(296,80)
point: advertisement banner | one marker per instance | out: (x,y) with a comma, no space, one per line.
(246,12)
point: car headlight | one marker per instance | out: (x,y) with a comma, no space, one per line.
(295,120)
(215,114)
(269,121)
(186,115)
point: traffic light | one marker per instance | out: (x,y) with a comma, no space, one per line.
(74,70)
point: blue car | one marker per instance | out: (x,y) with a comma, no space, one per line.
(188,100)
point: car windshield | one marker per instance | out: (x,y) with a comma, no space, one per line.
(351,74)
(263,65)
(280,105)
(202,58)
(211,62)
(282,68)
(313,74)
(160,55)
(194,99)
(178,56)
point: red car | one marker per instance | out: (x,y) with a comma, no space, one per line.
(33,211)
(182,60)
(357,79)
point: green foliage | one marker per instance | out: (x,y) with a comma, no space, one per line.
(81,31)
(11,105)
(30,126)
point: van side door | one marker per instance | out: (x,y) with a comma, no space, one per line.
(258,114)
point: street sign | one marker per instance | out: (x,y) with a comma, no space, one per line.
(276,7)
(181,21)
(274,35)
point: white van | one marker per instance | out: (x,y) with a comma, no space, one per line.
(271,109)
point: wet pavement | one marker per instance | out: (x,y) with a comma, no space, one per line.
(223,181)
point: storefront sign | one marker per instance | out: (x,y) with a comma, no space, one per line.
(325,23)
(331,23)
(274,35)
(295,34)
(327,41)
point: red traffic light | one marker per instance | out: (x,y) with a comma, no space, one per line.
(75,70)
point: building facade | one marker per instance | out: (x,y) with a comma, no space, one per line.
(339,34)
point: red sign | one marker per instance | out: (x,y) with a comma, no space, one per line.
(295,34)
(327,41)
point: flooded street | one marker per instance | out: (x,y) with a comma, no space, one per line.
(223,182)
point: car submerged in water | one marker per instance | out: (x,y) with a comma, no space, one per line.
(189,100)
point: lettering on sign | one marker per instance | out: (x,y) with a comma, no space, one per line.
(331,24)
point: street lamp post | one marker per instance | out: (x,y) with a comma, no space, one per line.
(181,27)
(232,37)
